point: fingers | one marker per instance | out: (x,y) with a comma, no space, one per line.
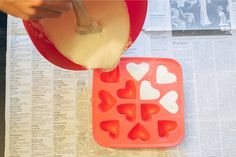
(46,9)
(39,13)
(54,5)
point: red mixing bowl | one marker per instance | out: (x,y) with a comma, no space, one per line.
(137,11)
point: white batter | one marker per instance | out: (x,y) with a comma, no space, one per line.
(100,50)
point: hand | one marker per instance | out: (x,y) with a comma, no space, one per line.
(35,9)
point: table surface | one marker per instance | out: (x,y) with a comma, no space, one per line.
(3,23)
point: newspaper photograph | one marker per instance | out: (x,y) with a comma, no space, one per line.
(200,17)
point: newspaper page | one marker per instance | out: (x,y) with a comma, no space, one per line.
(48,109)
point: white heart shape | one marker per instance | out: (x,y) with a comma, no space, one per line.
(137,71)
(147,92)
(163,76)
(168,101)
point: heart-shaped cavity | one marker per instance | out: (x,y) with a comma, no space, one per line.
(129,92)
(111,77)
(137,71)
(168,102)
(108,101)
(129,110)
(147,92)
(112,127)
(147,110)
(163,76)
(165,127)
(139,132)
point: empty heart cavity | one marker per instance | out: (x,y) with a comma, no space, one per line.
(168,102)
(163,76)
(129,92)
(139,132)
(147,92)
(111,77)
(137,71)
(112,127)
(165,127)
(129,110)
(148,110)
(107,101)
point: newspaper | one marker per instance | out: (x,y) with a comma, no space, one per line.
(48,109)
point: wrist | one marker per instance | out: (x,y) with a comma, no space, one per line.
(1,5)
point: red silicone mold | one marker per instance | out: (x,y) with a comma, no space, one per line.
(139,104)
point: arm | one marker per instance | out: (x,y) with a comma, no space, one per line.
(34,9)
